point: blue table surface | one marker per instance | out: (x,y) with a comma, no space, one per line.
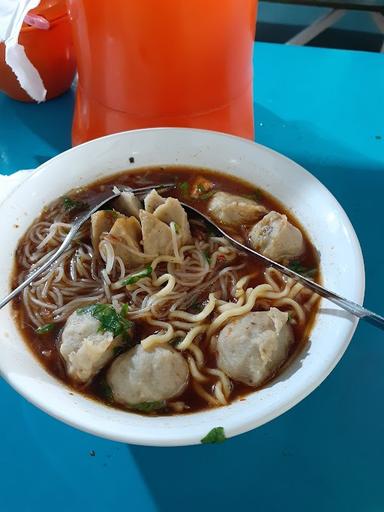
(324,109)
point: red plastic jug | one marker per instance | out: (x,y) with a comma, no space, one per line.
(50,49)
(146,63)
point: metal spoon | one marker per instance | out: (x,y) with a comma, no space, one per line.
(101,200)
(115,192)
(345,304)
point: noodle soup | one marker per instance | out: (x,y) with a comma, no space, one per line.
(152,311)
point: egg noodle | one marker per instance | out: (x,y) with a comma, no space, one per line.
(187,298)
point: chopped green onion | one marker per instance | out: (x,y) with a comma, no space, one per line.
(149,406)
(177,228)
(215,436)
(133,278)
(44,329)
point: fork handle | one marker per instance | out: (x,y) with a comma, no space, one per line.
(79,221)
(36,273)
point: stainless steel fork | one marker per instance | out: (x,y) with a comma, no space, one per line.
(101,200)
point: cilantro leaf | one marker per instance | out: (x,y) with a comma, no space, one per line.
(207,195)
(70,204)
(105,390)
(212,231)
(124,310)
(297,267)
(196,307)
(110,320)
(44,329)
(133,278)
(112,212)
(184,188)
(176,341)
(214,436)
(149,406)
(256,195)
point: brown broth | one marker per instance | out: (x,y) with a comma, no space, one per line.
(45,347)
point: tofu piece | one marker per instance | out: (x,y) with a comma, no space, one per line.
(101,222)
(125,236)
(152,201)
(276,238)
(251,348)
(157,236)
(234,210)
(128,204)
(172,211)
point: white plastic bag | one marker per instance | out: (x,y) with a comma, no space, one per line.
(12,14)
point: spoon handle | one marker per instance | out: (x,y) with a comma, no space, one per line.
(348,305)
(342,302)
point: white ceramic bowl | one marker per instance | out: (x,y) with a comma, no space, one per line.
(318,211)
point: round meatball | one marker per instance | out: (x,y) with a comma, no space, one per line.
(84,348)
(251,348)
(148,376)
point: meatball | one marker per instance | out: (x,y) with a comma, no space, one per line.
(275,237)
(234,210)
(251,348)
(140,376)
(84,348)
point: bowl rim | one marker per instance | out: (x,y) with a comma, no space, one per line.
(183,438)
